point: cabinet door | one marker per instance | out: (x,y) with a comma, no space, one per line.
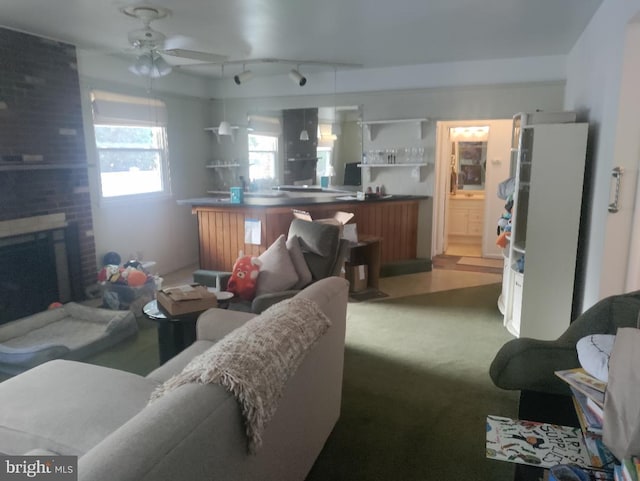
(476,221)
(458,221)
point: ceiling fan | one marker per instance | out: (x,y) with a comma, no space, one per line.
(151,45)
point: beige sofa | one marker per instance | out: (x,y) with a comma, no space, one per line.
(195,432)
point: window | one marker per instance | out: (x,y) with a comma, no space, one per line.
(131,145)
(263,152)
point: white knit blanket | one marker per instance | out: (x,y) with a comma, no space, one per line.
(255,361)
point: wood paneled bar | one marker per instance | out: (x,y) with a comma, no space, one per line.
(221,225)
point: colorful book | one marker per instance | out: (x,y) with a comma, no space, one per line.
(600,455)
(535,443)
(595,409)
(585,383)
(589,422)
(629,471)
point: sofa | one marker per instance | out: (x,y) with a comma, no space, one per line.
(529,364)
(72,331)
(194,432)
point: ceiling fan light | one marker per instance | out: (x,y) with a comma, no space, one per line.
(297,77)
(160,67)
(224,128)
(142,66)
(243,77)
(304,135)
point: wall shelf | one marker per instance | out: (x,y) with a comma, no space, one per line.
(415,169)
(222,166)
(372,126)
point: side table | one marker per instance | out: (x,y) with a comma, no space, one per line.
(175,333)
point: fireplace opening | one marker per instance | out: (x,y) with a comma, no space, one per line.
(34,272)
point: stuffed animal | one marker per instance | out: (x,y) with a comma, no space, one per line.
(244,278)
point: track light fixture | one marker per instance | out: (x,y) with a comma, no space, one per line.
(243,77)
(297,77)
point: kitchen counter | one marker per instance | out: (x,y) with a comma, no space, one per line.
(285,201)
(221,224)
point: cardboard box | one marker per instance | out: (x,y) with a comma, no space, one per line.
(187,299)
(339,218)
(358,277)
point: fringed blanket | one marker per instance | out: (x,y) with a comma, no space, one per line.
(255,361)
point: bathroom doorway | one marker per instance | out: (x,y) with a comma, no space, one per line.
(472,158)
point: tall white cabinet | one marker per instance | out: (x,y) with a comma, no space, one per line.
(541,261)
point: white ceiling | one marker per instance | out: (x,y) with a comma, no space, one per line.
(373,33)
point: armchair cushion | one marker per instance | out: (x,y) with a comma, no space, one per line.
(277,272)
(316,237)
(300,265)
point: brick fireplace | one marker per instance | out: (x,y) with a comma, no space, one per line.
(43,166)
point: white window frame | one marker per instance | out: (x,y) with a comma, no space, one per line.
(115,110)
(274,153)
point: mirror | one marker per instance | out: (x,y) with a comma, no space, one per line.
(470,161)
(279,155)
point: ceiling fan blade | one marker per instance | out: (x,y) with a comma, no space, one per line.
(194,55)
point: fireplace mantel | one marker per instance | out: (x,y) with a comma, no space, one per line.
(29,225)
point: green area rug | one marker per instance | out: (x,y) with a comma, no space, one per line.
(417,390)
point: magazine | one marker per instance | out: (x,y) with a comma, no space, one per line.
(535,443)
(586,384)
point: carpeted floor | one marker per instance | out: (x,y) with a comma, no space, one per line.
(417,390)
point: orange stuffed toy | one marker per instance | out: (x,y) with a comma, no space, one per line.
(244,278)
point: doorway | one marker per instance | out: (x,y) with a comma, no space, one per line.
(472,159)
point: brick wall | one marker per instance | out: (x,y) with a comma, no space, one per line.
(42,150)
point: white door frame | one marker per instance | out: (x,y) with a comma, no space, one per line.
(443,181)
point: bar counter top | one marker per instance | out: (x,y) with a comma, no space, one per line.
(288,201)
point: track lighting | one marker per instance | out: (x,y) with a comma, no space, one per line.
(243,77)
(297,77)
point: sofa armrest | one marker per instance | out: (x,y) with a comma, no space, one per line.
(263,302)
(213,324)
(529,364)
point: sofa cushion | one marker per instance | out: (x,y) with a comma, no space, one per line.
(277,272)
(83,404)
(299,263)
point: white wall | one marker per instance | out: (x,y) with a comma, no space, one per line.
(166,233)
(159,229)
(594,83)
(441,103)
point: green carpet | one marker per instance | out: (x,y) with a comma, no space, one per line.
(417,390)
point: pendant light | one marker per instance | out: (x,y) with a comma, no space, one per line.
(225,127)
(304,135)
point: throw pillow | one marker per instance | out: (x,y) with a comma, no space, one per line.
(277,272)
(244,277)
(299,263)
(594,352)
